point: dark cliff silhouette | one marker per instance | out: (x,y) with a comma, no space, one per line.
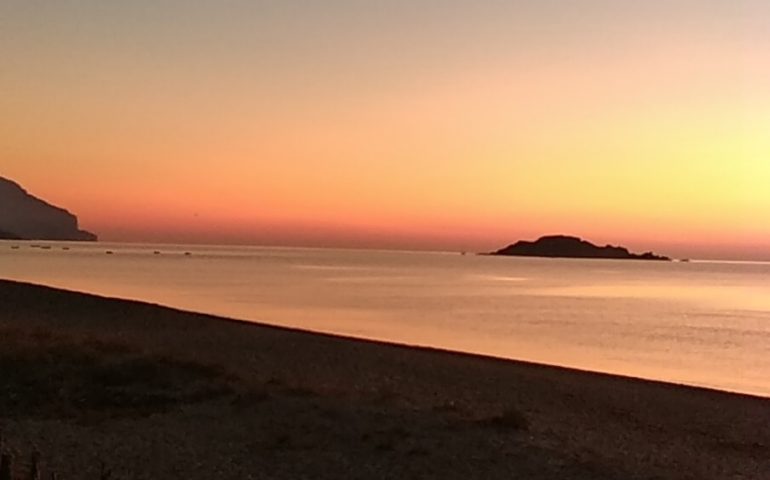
(571,247)
(8,235)
(26,217)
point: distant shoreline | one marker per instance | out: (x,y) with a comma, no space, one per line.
(193,245)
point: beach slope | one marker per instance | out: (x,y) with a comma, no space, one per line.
(154,392)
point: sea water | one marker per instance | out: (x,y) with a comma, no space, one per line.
(696,323)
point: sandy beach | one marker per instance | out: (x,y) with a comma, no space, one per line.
(154,393)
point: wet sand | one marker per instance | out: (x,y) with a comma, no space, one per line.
(157,393)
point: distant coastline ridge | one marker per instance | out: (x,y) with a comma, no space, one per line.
(26,217)
(565,246)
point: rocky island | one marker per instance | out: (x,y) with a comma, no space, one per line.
(563,246)
(26,217)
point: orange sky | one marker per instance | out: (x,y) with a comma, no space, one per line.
(445,125)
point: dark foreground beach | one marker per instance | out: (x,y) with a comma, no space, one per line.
(155,393)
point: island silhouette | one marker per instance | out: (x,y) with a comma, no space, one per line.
(565,246)
(26,217)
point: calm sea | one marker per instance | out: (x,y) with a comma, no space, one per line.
(695,323)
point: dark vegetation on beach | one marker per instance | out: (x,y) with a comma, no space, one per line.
(156,393)
(88,381)
(10,469)
(49,375)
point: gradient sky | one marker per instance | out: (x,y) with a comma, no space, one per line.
(454,124)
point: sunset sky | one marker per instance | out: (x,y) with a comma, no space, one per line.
(420,124)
